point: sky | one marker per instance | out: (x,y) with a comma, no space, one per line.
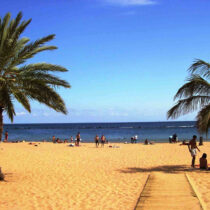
(126,58)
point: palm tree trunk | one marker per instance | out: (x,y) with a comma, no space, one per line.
(1,122)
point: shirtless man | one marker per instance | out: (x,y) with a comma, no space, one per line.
(53,139)
(97,140)
(103,140)
(192,148)
(78,138)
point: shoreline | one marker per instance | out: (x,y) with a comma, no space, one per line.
(89,142)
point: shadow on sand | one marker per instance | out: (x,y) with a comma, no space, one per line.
(7,177)
(165,169)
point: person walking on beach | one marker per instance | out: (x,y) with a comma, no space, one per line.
(103,140)
(192,145)
(97,140)
(78,138)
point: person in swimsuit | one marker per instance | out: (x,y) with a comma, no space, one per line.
(78,138)
(6,136)
(192,145)
(203,162)
(103,140)
(146,142)
(97,140)
(71,139)
(201,141)
(53,139)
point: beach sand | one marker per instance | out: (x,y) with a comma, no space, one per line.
(55,176)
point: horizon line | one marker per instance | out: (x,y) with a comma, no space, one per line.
(103,122)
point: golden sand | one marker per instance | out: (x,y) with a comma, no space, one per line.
(55,176)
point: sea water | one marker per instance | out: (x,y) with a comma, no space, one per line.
(114,132)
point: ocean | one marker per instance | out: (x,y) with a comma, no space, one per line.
(114,132)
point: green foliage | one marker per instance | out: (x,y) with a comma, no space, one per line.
(193,95)
(26,82)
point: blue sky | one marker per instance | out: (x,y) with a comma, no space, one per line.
(126,58)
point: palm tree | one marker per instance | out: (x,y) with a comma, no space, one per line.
(195,94)
(30,81)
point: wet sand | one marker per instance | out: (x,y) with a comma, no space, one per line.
(55,176)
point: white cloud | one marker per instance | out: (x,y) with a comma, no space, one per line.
(46,114)
(20,113)
(131,2)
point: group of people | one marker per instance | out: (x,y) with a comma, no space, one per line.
(173,138)
(192,146)
(134,139)
(103,140)
(98,140)
(77,140)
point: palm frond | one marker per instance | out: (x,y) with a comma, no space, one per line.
(15,23)
(203,119)
(21,98)
(200,67)
(6,101)
(196,85)
(45,95)
(31,49)
(185,106)
(28,77)
(42,67)
(34,45)
(4,30)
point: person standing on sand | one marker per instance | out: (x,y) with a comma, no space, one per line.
(53,139)
(135,139)
(103,140)
(97,140)
(78,138)
(192,145)
(6,136)
(71,139)
(201,141)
